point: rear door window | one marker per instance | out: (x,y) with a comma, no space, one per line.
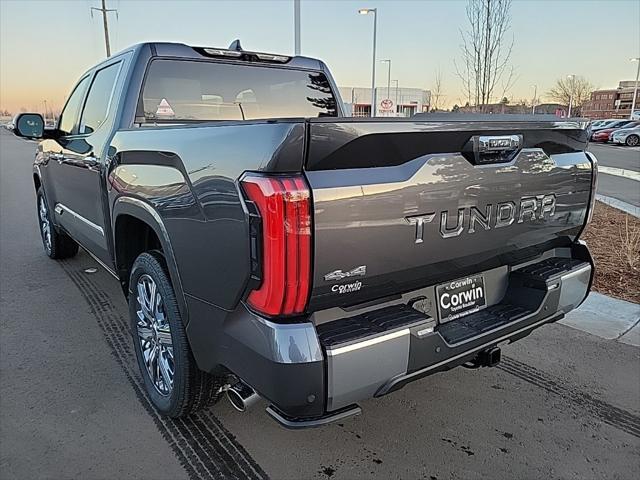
(182,90)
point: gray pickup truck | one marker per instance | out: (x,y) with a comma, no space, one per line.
(270,247)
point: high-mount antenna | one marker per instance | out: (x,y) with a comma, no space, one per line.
(235,45)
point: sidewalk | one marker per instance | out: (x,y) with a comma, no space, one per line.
(620,205)
(608,318)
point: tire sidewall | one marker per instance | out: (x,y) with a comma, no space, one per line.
(630,144)
(150,264)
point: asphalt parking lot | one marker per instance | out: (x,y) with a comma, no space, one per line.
(624,162)
(562,404)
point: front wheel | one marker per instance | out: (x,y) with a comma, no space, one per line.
(172,379)
(632,140)
(57,245)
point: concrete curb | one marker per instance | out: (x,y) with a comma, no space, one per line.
(607,318)
(620,172)
(620,205)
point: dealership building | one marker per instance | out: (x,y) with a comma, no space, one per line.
(612,103)
(392,102)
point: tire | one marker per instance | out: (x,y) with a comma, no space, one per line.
(632,141)
(56,244)
(156,326)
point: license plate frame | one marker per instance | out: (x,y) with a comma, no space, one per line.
(474,300)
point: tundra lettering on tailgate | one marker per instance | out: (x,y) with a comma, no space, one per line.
(500,215)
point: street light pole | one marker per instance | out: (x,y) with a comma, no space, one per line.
(572,77)
(535,94)
(366,11)
(296,26)
(635,90)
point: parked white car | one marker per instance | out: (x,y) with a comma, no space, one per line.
(627,136)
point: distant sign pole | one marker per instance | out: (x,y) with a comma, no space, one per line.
(635,90)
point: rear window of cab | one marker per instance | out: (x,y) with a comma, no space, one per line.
(183,90)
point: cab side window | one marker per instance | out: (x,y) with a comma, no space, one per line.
(96,107)
(70,113)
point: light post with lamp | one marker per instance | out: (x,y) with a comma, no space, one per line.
(366,11)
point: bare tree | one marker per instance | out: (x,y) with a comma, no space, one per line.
(563,89)
(486,51)
(437,94)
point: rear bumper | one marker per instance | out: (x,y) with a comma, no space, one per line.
(312,376)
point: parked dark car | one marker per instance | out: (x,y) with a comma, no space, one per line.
(609,124)
(270,247)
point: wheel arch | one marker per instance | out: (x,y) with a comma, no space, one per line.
(132,213)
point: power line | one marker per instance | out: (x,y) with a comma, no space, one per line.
(105,24)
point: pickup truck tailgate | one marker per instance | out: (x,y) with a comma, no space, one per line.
(399,205)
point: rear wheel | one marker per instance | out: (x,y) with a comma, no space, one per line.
(632,140)
(172,379)
(57,245)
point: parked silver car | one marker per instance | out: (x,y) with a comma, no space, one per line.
(627,136)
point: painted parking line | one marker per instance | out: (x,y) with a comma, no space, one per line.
(620,172)
(617,147)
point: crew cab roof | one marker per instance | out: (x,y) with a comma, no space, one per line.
(180,50)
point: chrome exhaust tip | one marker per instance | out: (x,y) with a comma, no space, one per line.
(241,396)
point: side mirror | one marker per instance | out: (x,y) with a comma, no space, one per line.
(29,125)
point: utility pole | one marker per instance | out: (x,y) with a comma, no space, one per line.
(45,112)
(105,24)
(296,26)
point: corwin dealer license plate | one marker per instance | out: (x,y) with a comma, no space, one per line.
(461,297)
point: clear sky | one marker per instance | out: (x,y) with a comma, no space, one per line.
(46,45)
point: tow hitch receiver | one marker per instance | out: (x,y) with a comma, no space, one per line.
(489,357)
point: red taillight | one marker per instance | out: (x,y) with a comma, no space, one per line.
(284,206)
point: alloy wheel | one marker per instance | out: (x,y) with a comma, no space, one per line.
(632,140)
(154,335)
(45,225)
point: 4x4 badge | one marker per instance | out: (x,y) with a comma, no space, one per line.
(339,274)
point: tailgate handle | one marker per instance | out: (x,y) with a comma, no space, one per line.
(495,148)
